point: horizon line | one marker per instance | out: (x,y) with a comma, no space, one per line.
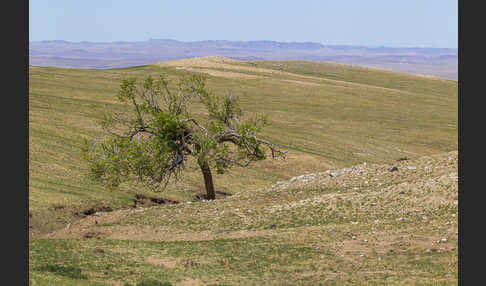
(247,41)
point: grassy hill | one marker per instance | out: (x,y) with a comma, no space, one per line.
(286,222)
(327,116)
(369,224)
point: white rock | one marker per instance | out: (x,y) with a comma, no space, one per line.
(443,239)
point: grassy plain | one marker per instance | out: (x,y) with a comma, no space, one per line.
(327,115)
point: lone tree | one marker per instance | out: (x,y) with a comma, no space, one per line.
(152,142)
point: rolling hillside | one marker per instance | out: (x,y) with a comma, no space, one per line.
(326,115)
(442,62)
(367,195)
(369,224)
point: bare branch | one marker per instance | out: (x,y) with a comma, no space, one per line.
(198,125)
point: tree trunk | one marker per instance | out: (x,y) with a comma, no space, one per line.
(208,181)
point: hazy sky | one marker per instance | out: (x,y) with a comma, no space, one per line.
(393,23)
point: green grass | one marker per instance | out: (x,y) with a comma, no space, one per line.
(251,261)
(328,116)
(339,123)
(323,231)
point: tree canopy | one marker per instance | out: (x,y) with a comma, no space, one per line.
(151,143)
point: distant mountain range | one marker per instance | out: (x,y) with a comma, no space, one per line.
(442,62)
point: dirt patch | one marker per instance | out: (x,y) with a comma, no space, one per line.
(219,195)
(383,243)
(149,233)
(145,201)
(82,226)
(93,210)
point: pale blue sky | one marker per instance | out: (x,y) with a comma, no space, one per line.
(392,23)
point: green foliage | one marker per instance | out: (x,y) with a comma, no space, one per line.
(151,143)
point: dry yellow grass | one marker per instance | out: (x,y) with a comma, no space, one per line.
(364,225)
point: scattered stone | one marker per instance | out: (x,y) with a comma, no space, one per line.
(393,169)
(443,239)
(411,167)
(401,192)
(336,174)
